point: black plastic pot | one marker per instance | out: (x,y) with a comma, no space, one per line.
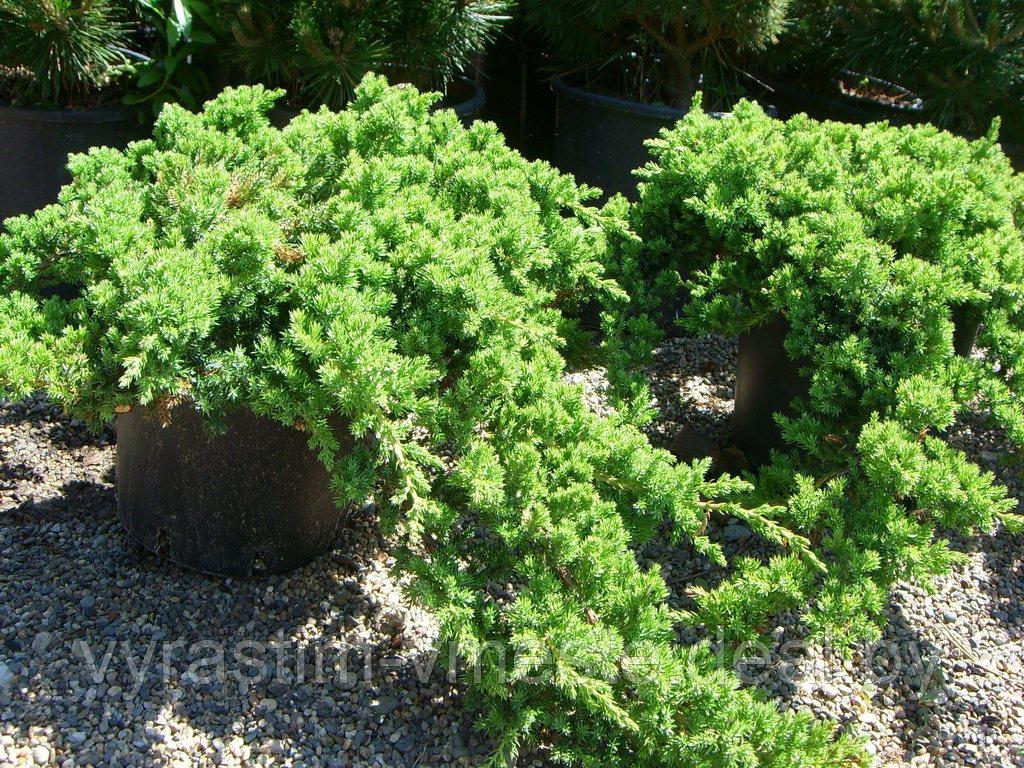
(252,500)
(1016,154)
(465,96)
(600,139)
(35,144)
(966,327)
(909,111)
(767,381)
(519,97)
(791,98)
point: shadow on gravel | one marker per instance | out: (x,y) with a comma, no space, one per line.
(942,681)
(16,471)
(116,653)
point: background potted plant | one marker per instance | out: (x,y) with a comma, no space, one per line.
(810,70)
(633,67)
(955,63)
(75,74)
(319,51)
(389,284)
(842,255)
(64,67)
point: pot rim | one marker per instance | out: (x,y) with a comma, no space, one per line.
(467,108)
(615,103)
(106,114)
(917,106)
(619,104)
(471,106)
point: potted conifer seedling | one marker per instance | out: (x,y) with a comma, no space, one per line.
(855,263)
(79,73)
(631,68)
(388,287)
(957,63)
(317,52)
(63,72)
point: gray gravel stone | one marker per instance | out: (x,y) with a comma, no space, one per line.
(114,657)
(943,686)
(385,705)
(42,642)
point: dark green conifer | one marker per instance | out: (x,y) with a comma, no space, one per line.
(418,278)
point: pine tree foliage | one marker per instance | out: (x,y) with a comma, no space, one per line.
(79,53)
(318,50)
(667,43)
(965,58)
(57,51)
(873,242)
(394,268)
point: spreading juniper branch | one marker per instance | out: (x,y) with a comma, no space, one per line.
(872,242)
(400,271)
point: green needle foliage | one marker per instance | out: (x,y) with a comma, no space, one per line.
(965,58)
(61,51)
(318,50)
(658,48)
(871,242)
(414,277)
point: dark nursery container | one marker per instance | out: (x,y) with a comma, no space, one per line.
(251,500)
(768,380)
(519,95)
(966,327)
(600,139)
(1016,154)
(35,144)
(467,97)
(791,98)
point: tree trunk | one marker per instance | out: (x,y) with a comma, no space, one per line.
(680,80)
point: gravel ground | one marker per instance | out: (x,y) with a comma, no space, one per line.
(945,683)
(110,656)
